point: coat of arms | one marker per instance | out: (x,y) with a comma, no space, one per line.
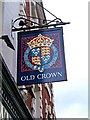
(43,53)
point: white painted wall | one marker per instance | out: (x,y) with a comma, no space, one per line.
(10,12)
(1,9)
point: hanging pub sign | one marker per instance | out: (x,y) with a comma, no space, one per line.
(41,57)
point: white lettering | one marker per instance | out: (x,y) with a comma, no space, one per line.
(49,75)
(39,76)
(42,76)
(54,74)
(24,78)
(59,74)
(31,77)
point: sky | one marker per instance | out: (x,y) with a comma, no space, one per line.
(71,97)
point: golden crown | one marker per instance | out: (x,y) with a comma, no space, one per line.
(39,41)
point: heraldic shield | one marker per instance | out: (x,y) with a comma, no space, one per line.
(40,56)
(40,51)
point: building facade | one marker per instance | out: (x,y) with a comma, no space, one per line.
(30,101)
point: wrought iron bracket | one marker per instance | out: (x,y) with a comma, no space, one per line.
(22,23)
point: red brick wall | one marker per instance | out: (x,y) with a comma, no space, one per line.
(28,11)
(29,101)
(46,96)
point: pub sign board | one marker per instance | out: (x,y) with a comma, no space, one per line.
(41,57)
